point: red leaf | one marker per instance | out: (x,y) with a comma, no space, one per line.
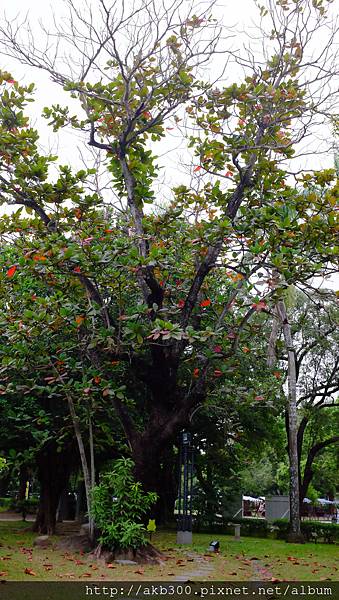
(206,302)
(29,572)
(196,169)
(196,373)
(229,174)
(261,305)
(77,270)
(217,349)
(217,373)
(181,303)
(139,571)
(259,398)
(11,271)
(246,349)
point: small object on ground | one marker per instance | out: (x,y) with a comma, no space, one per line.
(122,561)
(214,546)
(42,541)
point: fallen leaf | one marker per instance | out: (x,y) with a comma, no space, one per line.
(29,572)
(139,571)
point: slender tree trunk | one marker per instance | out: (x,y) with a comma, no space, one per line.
(295,531)
(84,463)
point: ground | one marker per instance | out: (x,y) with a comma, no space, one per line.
(247,560)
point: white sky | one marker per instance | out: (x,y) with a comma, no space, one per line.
(241,15)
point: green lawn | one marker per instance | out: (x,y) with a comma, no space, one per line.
(249,559)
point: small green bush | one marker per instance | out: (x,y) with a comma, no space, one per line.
(252,527)
(118,504)
(5,503)
(312,530)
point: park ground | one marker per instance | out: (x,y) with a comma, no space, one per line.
(247,560)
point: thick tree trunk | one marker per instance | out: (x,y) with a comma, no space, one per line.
(53,474)
(155,469)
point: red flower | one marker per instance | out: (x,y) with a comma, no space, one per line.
(196,373)
(77,270)
(206,302)
(229,174)
(181,303)
(217,373)
(217,349)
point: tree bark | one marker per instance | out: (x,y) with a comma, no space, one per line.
(53,474)
(295,530)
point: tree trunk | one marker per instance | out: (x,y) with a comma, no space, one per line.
(295,534)
(53,473)
(155,469)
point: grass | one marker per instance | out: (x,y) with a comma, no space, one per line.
(247,560)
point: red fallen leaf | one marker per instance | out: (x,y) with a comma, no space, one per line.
(11,271)
(234,573)
(181,303)
(29,572)
(246,349)
(228,174)
(217,349)
(139,571)
(77,270)
(259,399)
(86,575)
(170,573)
(196,373)
(206,302)
(110,566)
(274,580)
(196,169)
(79,562)
(97,379)
(217,373)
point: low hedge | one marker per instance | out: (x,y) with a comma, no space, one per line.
(312,530)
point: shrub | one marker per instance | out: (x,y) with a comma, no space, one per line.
(312,530)
(252,527)
(118,504)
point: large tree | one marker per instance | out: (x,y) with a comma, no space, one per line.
(162,289)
